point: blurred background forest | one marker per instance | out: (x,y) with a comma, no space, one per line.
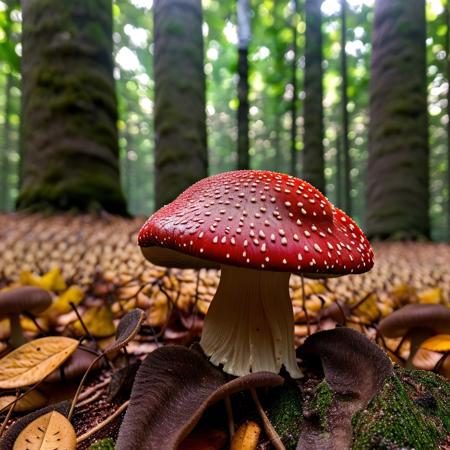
(276,94)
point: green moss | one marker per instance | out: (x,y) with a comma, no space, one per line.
(286,413)
(321,403)
(104,444)
(411,411)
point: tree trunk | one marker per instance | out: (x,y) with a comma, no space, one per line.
(447,51)
(347,187)
(4,178)
(244,35)
(180,122)
(69,108)
(397,191)
(294,89)
(338,172)
(313,160)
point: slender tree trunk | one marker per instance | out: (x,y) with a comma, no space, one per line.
(313,160)
(344,102)
(180,122)
(397,195)
(447,50)
(338,172)
(69,108)
(244,36)
(278,157)
(4,184)
(294,89)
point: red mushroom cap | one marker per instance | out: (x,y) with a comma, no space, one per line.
(263,220)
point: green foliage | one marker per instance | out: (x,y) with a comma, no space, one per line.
(270,78)
(104,444)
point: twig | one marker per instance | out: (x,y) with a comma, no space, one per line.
(13,404)
(80,386)
(99,426)
(92,389)
(86,401)
(268,428)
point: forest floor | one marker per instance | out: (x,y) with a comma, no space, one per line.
(96,273)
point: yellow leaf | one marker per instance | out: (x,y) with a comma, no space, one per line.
(52,431)
(438,343)
(30,402)
(246,436)
(28,325)
(98,320)
(33,361)
(74,294)
(368,309)
(159,310)
(53,280)
(430,296)
(27,278)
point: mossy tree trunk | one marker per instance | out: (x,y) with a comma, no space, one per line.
(397,189)
(180,123)
(347,163)
(69,108)
(293,170)
(313,159)
(244,35)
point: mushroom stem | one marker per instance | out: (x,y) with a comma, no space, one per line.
(17,338)
(416,336)
(250,323)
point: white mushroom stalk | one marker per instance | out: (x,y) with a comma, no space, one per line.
(250,324)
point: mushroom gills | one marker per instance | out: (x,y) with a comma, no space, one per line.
(249,326)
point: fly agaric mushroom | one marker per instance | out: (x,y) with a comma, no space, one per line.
(416,323)
(19,300)
(258,227)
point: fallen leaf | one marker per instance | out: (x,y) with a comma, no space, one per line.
(438,343)
(51,431)
(186,383)
(246,436)
(431,296)
(368,309)
(33,361)
(98,320)
(51,281)
(29,402)
(61,305)
(8,439)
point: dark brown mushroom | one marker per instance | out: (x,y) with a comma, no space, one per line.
(416,323)
(24,299)
(186,384)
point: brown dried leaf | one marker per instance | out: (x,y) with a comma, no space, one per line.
(51,431)
(30,402)
(33,361)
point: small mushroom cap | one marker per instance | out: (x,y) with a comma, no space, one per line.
(433,317)
(256,219)
(24,299)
